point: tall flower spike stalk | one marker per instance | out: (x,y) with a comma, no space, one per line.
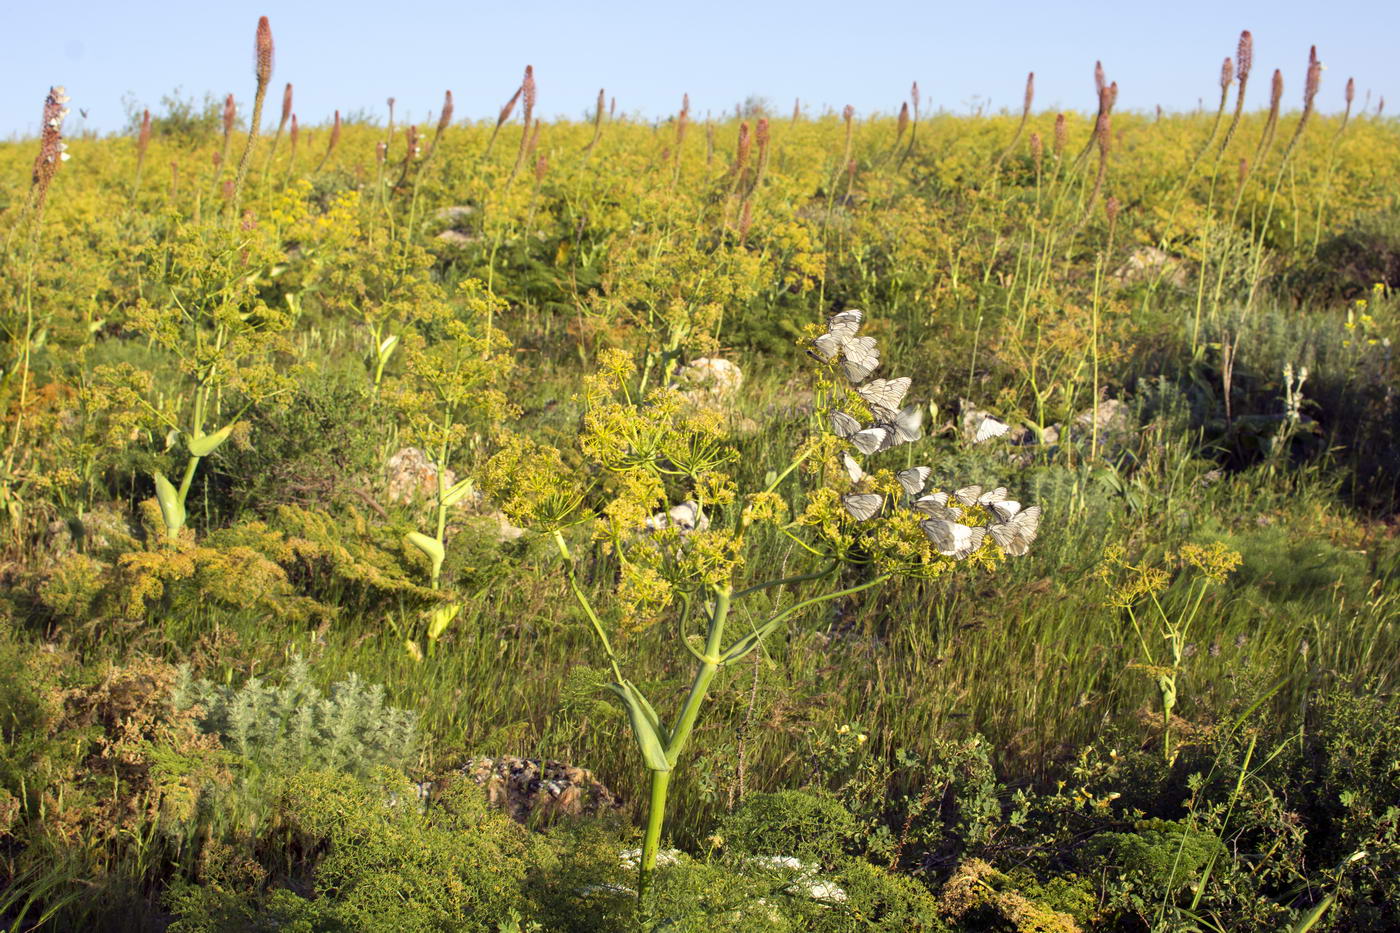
(330,143)
(741,157)
(597,123)
(281,126)
(501,118)
(1350,96)
(1310,87)
(53,152)
(262,70)
(1103,133)
(1244,63)
(1266,139)
(293,134)
(143,143)
(848,115)
(527,104)
(444,121)
(410,155)
(612,109)
(762,138)
(913,126)
(1107,94)
(796,109)
(682,122)
(221,159)
(1026,104)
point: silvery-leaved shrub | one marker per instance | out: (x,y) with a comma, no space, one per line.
(295,725)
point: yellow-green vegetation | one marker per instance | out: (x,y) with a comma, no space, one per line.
(333,462)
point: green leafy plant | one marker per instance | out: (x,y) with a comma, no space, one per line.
(694,552)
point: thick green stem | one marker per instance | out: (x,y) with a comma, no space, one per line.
(656,815)
(705,672)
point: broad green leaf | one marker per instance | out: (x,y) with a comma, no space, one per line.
(457,492)
(645,726)
(441,618)
(172,510)
(387,347)
(432,547)
(202,445)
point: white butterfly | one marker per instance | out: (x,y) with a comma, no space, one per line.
(686,517)
(884,396)
(951,538)
(992,495)
(913,479)
(1016,534)
(908,424)
(873,439)
(840,328)
(852,468)
(968,494)
(989,428)
(863,505)
(936,506)
(1004,509)
(860,357)
(843,425)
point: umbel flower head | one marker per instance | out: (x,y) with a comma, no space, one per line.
(883,512)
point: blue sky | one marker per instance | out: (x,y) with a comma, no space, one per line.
(353,54)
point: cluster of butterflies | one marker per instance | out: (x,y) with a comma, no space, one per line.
(859,357)
(1014,528)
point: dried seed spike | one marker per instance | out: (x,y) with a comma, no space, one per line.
(1276,92)
(1037,150)
(1351,91)
(445,120)
(1227,73)
(1061,134)
(1313,80)
(1244,56)
(262,66)
(230,114)
(527,86)
(51,147)
(286,103)
(741,152)
(1098,78)
(914,96)
(1030,94)
(1111,208)
(903,123)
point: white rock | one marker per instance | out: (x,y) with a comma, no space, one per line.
(709,380)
